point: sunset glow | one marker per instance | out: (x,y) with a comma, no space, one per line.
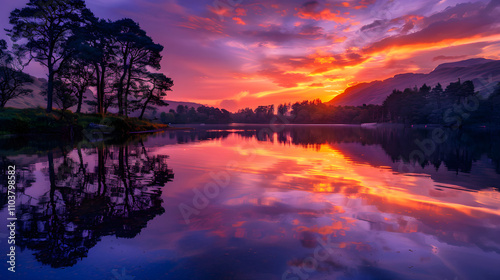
(247,53)
(258,53)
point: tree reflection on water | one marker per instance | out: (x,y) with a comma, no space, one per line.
(92,193)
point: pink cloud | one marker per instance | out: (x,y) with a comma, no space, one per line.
(313,10)
(239,21)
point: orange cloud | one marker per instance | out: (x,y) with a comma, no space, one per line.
(239,21)
(364,4)
(340,39)
(311,10)
(284,79)
(316,85)
(220,10)
(324,63)
(323,15)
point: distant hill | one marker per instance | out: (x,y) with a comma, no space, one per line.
(484,73)
(35,99)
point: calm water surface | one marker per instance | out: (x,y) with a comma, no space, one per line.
(258,202)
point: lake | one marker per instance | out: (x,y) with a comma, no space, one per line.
(257,202)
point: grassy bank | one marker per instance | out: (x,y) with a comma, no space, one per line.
(36,120)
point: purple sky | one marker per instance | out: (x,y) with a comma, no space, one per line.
(246,53)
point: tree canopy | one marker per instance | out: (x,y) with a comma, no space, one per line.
(81,51)
(46,25)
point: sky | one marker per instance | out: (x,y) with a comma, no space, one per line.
(244,53)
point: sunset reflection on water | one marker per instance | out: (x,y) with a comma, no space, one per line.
(372,218)
(288,209)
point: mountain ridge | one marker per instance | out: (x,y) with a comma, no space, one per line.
(480,71)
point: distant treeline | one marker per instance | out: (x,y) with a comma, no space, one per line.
(456,105)
(203,114)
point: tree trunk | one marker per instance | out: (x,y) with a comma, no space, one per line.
(50,88)
(120,99)
(129,79)
(52,173)
(80,100)
(98,85)
(120,87)
(144,107)
(101,171)
(52,192)
(100,92)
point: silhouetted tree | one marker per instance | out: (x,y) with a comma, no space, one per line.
(94,44)
(155,88)
(136,51)
(13,80)
(64,95)
(425,89)
(47,25)
(283,109)
(77,77)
